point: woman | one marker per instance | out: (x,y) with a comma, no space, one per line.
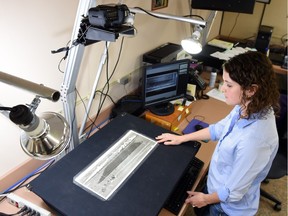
(247,138)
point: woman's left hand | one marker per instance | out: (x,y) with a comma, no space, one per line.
(196,199)
(169,139)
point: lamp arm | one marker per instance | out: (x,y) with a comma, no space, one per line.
(172,17)
(210,22)
(38,89)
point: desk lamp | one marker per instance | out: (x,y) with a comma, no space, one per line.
(43,137)
(193,45)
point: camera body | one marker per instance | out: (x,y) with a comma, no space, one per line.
(108,16)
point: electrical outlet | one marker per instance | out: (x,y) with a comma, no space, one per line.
(19,202)
(124,80)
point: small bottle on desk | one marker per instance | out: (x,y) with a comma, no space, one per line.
(212,81)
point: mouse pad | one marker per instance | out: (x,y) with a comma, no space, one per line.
(191,126)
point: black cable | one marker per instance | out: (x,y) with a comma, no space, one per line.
(6,108)
(200,95)
(150,13)
(106,86)
(190,6)
(114,103)
(203,96)
(26,211)
(283,40)
(101,102)
(234,25)
(82,36)
(69,47)
(92,122)
(262,15)
(195,118)
(247,38)
(191,15)
(59,64)
(85,108)
(199,116)
(23,209)
(37,173)
(66,49)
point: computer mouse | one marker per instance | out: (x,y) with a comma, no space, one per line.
(198,127)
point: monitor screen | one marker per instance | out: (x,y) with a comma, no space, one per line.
(163,83)
(238,6)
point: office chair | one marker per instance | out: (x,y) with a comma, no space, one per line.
(279,165)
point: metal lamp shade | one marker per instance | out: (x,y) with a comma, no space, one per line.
(50,141)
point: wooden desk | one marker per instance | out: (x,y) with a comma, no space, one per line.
(280,70)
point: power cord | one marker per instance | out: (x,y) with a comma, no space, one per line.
(22,210)
(107,84)
(196,117)
(200,95)
(150,13)
(20,183)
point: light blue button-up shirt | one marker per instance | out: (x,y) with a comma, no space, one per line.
(241,160)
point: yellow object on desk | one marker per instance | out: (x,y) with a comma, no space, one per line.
(169,122)
(221,44)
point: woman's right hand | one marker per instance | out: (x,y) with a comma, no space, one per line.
(169,139)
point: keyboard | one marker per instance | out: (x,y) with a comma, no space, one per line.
(176,200)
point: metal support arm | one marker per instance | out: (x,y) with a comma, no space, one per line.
(68,88)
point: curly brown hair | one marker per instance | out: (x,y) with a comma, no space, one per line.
(255,68)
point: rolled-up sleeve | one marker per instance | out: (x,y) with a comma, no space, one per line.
(212,132)
(223,194)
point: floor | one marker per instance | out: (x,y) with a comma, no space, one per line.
(277,187)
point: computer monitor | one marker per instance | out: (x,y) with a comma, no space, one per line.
(162,83)
(238,6)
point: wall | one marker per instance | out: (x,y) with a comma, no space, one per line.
(247,25)
(31,29)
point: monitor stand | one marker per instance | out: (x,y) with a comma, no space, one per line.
(162,109)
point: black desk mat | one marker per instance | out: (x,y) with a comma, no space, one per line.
(144,193)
